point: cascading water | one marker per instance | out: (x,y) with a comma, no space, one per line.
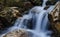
(38,18)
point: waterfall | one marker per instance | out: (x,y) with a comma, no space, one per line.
(44,3)
(37,18)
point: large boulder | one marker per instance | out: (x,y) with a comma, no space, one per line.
(54,18)
(16,33)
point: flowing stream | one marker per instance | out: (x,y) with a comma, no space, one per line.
(36,21)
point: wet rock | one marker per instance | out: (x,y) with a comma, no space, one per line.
(46,7)
(54,18)
(16,33)
(51,2)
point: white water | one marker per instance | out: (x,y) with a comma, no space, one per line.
(39,18)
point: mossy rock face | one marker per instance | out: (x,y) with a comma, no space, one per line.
(54,18)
